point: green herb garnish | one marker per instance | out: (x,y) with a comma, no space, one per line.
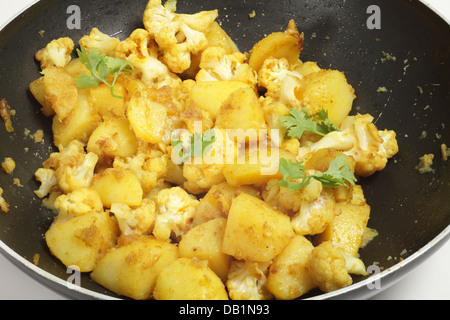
(100,67)
(198,145)
(300,122)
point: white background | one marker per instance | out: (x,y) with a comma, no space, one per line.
(431,280)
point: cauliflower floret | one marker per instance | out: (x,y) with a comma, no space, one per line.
(56,53)
(247,280)
(328,269)
(150,168)
(354,265)
(47,178)
(360,139)
(290,201)
(175,212)
(201,177)
(314,216)
(178,35)
(77,203)
(4,206)
(98,40)
(216,65)
(142,52)
(74,169)
(282,84)
(135,221)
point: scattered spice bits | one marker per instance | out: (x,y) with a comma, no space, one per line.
(5,113)
(8,165)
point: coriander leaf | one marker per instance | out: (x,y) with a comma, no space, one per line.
(337,175)
(100,67)
(300,122)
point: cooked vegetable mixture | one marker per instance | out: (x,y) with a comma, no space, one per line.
(187,169)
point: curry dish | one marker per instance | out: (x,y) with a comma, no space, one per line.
(164,184)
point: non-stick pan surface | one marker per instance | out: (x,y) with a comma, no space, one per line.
(410,211)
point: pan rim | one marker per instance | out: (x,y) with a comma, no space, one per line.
(48,279)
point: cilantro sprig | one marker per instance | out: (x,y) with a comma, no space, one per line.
(300,122)
(198,145)
(100,66)
(294,176)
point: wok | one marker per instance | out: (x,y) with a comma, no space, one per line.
(410,211)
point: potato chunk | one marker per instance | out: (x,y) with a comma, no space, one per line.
(189,279)
(241,110)
(328,89)
(147,118)
(278,45)
(113,138)
(105,104)
(210,95)
(118,185)
(82,240)
(255,231)
(288,275)
(204,242)
(78,125)
(346,231)
(130,269)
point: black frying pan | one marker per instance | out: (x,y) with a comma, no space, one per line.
(410,211)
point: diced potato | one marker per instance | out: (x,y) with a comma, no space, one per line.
(204,242)
(210,95)
(82,240)
(217,201)
(75,67)
(113,138)
(131,268)
(216,36)
(255,231)
(118,185)
(38,91)
(60,91)
(147,118)
(278,45)
(105,104)
(79,125)
(189,279)
(241,111)
(347,229)
(259,173)
(288,275)
(328,89)
(307,68)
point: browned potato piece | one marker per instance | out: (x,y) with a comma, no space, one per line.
(278,45)
(189,279)
(118,185)
(82,240)
(204,242)
(255,231)
(131,268)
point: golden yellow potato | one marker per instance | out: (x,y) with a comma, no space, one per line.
(147,118)
(204,242)
(347,229)
(278,45)
(118,185)
(306,68)
(216,36)
(217,201)
(78,125)
(37,89)
(210,95)
(288,275)
(255,231)
(189,279)
(105,104)
(130,269)
(113,138)
(241,110)
(329,90)
(82,240)
(75,67)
